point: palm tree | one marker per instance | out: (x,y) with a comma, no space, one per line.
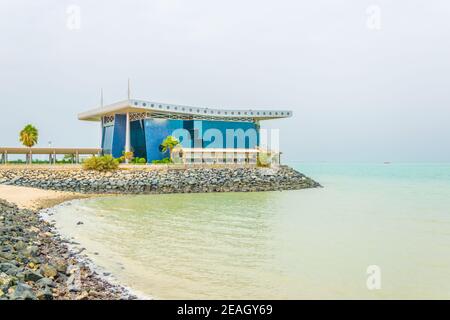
(169,143)
(29,137)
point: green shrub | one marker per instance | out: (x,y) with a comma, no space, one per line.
(139,161)
(162,161)
(103,163)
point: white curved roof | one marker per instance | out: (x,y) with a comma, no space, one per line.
(183,112)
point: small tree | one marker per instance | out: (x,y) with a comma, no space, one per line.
(128,156)
(169,143)
(29,137)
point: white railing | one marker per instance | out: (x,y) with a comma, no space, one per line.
(232,156)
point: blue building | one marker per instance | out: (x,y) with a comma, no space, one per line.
(141,126)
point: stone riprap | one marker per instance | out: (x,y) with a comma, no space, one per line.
(36,263)
(147,181)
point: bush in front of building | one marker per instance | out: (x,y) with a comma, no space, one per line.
(138,160)
(162,161)
(103,163)
(264,159)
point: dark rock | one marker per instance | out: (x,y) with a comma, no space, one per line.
(45,282)
(32,276)
(61,266)
(23,292)
(20,245)
(49,271)
(9,268)
(74,283)
(6,266)
(31,251)
(45,294)
(6,280)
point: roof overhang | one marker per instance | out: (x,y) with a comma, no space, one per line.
(37,150)
(187,112)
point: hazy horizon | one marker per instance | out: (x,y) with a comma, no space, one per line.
(366,80)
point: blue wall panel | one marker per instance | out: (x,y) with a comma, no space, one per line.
(107,138)
(227,134)
(188,142)
(137,139)
(156,130)
(118,143)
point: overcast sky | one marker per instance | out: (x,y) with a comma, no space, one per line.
(366,80)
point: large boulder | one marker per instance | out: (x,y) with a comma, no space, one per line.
(23,291)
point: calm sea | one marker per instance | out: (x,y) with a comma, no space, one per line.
(315,243)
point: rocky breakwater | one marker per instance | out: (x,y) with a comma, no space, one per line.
(36,264)
(144,180)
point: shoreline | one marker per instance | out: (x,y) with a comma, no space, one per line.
(46,214)
(37,199)
(37,262)
(28,199)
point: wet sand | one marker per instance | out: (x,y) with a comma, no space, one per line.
(36,199)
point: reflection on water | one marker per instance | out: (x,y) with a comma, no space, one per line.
(295,244)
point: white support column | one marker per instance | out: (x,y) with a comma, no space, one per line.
(127,136)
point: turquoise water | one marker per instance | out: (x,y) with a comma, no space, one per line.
(304,244)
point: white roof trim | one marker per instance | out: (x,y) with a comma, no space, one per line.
(134,105)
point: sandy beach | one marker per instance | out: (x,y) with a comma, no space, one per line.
(36,199)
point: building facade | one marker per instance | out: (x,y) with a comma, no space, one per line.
(141,126)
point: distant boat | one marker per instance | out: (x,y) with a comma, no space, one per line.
(387,162)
